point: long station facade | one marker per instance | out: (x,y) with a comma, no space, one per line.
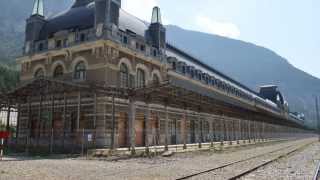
(97,70)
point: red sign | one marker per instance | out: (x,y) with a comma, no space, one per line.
(4,134)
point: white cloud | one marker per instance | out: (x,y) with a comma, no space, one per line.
(140,8)
(227,29)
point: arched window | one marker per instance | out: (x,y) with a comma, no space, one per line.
(124,76)
(141,79)
(155,79)
(39,73)
(58,71)
(80,71)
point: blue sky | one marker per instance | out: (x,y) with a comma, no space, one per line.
(288,27)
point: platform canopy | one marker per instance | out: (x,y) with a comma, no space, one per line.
(47,86)
(180,93)
(173,92)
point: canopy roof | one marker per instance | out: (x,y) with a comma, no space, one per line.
(47,86)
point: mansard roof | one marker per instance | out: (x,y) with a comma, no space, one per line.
(82,17)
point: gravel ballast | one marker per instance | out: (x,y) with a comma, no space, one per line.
(176,166)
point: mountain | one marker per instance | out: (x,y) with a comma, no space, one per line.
(13,15)
(250,64)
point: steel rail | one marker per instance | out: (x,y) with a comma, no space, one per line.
(317,173)
(268,162)
(244,160)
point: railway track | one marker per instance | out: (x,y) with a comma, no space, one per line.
(276,154)
(317,173)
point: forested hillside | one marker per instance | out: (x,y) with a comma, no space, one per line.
(9,78)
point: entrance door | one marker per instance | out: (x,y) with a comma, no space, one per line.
(122,130)
(140,130)
(174,131)
(193,131)
(154,131)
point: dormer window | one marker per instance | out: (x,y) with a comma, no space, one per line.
(40,47)
(58,43)
(142,48)
(206,79)
(183,69)
(155,53)
(199,74)
(174,66)
(65,42)
(125,39)
(188,70)
(82,37)
(192,73)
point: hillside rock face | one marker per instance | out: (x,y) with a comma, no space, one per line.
(250,64)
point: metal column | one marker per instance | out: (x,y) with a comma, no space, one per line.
(132,115)
(147,128)
(113,120)
(78,111)
(166,128)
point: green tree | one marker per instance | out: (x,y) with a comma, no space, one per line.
(9,78)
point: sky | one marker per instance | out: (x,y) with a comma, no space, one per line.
(288,27)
